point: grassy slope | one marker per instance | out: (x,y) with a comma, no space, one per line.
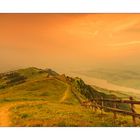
(62,108)
(40,88)
(37,87)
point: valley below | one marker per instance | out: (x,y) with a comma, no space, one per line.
(104,84)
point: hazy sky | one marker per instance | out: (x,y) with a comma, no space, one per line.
(69,41)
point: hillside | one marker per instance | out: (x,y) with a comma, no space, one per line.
(36,97)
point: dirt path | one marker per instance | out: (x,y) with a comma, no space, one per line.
(5,120)
(66,94)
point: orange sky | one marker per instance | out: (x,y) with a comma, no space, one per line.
(68,41)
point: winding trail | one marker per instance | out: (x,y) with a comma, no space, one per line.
(5,113)
(66,94)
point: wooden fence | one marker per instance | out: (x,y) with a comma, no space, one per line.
(100,104)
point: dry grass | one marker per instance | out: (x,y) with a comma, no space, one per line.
(57,114)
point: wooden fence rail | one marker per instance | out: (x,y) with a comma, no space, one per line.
(117,101)
(100,103)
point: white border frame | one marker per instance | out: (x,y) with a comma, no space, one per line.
(69,6)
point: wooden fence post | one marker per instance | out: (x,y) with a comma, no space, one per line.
(133,110)
(102,104)
(115,114)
